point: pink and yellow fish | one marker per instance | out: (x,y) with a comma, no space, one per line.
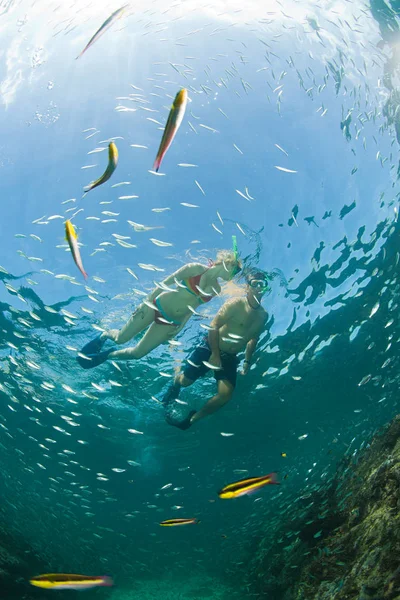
(177,522)
(247,486)
(174,121)
(106,25)
(72,240)
(63,581)
(112,165)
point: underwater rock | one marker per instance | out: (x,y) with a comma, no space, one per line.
(341,542)
(17,564)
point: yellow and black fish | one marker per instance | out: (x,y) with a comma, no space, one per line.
(176,522)
(174,121)
(112,165)
(72,239)
(65,581)
(106,25)
(247,486)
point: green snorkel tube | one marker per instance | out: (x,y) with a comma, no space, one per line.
(237,268)
(234,247)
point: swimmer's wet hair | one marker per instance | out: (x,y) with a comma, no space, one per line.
(224,256)
(251,274)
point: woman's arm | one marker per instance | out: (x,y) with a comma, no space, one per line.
(189,270)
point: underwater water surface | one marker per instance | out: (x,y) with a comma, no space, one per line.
(289,142)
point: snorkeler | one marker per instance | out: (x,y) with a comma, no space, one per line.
(236,327)
(165,311)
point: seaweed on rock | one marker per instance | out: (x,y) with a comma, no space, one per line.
(347,542)
(17,564)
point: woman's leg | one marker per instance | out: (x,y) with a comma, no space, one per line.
(140,319)
(154,336)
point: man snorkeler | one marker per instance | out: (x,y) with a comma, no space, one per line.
(236,327)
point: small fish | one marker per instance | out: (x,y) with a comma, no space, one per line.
(139,227)
(112,165)
(72,240)
(210,366)
(106,25)
(176,522)
(247,486)
(282,150)
(285,170)
(160,243)
(174,121)
(61,581)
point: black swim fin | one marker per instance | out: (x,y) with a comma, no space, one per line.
(93,360)
(183,424)
(94,346)
(171,394)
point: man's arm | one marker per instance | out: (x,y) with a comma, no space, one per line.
(220,319)
(250,347)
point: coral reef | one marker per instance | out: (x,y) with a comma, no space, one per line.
(344,538)
(17,564)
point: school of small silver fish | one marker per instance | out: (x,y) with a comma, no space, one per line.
(52,401)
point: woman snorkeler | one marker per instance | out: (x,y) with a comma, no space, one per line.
(165,311)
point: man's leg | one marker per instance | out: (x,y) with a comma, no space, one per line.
(224,394)
(193,369)
(181,380)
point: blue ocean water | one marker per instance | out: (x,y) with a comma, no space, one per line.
(89,466)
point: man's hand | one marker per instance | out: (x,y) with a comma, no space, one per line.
(215,360)
(246,368)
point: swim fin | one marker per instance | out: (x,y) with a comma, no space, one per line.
(93,360)
(171,394)
(184,424)
(94,346)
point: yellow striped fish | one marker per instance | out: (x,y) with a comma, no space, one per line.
(176,522)
(174,121)
(72,240)
(112,165)
(63,581)
(106,25)
(247,486)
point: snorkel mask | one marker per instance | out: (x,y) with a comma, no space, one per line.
(261,285)
(260,282)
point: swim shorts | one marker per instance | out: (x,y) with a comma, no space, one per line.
(229,364)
